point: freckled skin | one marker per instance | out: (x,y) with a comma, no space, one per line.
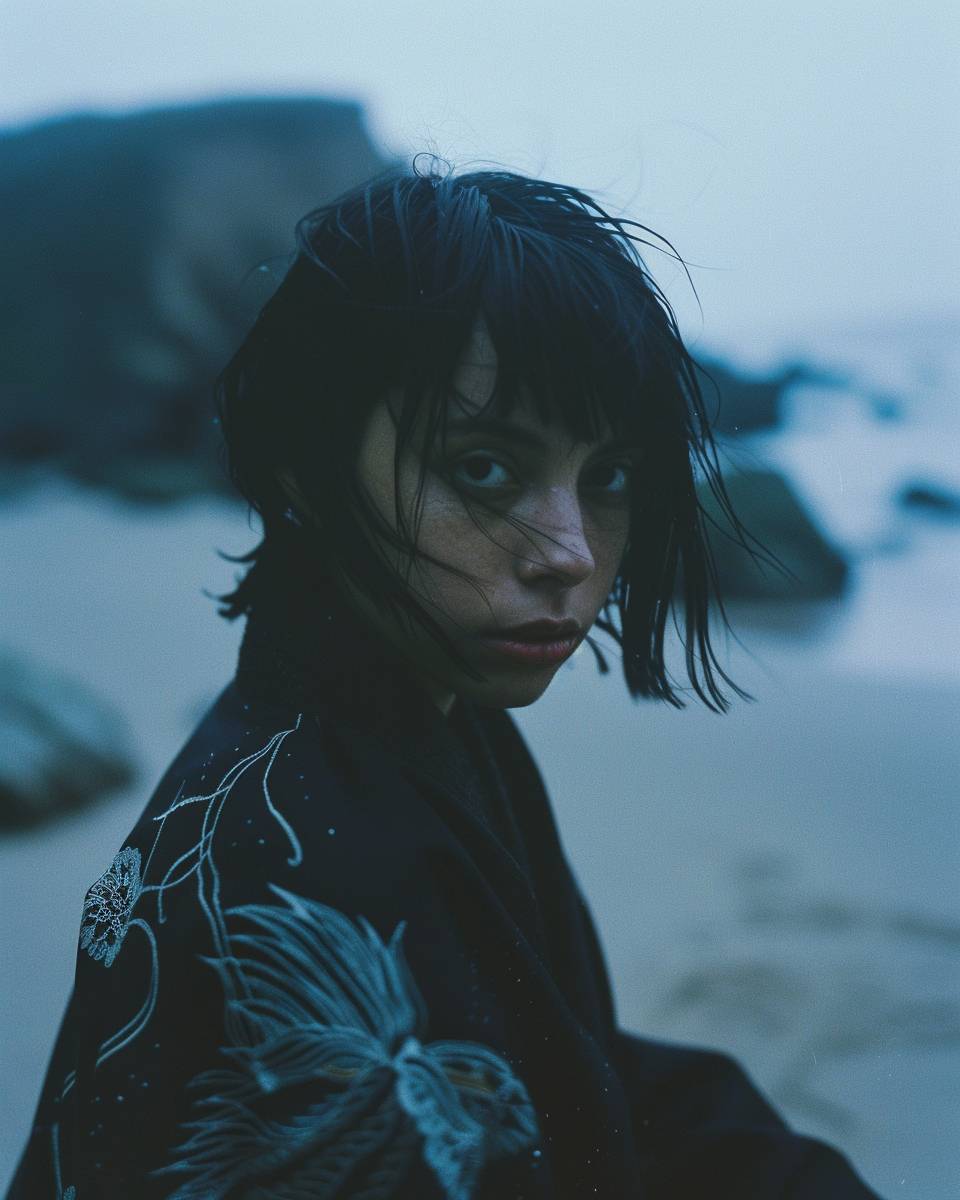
(524,575)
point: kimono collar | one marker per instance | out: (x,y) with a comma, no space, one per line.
(316,654)
(322,658)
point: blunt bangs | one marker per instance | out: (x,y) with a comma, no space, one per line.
(383,294)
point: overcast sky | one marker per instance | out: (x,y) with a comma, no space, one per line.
(805,157)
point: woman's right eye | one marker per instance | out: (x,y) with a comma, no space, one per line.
(481,471)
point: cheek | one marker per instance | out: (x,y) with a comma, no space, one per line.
(448,532)
(608,541)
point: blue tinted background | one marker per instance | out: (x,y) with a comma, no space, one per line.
(780,881)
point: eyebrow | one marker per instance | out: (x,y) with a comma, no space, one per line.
(519,433)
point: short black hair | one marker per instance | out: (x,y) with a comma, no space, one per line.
(383,292)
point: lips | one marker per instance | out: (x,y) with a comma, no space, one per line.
(539,631)
(529,653)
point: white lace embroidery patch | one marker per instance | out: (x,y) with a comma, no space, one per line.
(108,906)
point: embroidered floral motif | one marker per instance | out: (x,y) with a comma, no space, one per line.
(329,1081)
(110,902)
(108,905)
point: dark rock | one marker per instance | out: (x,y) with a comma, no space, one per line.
(737,403)
(772,512)
(128,245)
(61,747)
(930,498)
(886,407)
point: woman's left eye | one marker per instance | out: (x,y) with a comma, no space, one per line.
(612,478)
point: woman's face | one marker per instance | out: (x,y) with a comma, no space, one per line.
(574,501)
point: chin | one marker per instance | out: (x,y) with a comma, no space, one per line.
(510,693)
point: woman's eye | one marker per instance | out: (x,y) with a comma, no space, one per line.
(480,470)
(484,472)
(613,478)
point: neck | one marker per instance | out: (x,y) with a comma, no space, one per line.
(440,693)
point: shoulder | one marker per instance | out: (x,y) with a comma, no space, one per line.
(263,797)
(279,921)
(275,827)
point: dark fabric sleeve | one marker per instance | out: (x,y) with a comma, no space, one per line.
(705,1129)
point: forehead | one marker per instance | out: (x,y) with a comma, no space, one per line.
(476,373)
(473,388)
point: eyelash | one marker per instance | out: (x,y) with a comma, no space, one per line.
(492,458)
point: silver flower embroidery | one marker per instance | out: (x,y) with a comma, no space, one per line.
(328,1083)
(108,905)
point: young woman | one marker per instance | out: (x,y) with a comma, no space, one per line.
(342,954)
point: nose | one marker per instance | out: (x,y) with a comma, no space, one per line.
(553,542)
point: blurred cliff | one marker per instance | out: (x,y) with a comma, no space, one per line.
(127,243)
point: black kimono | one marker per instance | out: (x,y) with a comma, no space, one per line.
(342,954)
